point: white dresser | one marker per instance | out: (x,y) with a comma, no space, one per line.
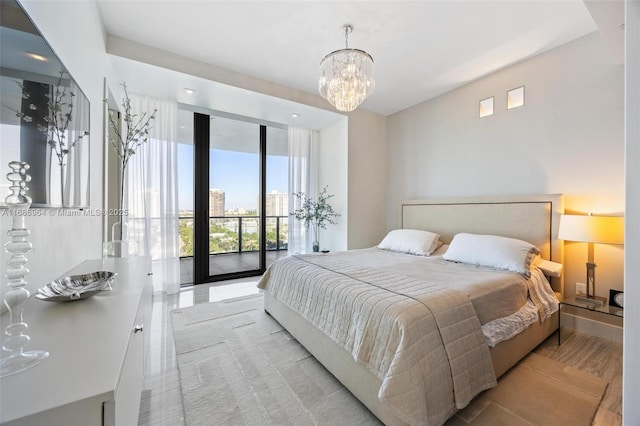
(94,372)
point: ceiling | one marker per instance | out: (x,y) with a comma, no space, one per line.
(211,97)
(421,48)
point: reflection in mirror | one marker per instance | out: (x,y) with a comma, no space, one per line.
(44,116)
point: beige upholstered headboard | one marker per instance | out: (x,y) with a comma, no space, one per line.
(533,218)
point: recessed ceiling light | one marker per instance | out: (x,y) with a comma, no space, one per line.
(295,115)
(189,91)
(37,57)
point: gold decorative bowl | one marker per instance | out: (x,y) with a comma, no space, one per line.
(76,287)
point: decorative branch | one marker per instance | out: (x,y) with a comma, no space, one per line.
(126,145)
(137,130)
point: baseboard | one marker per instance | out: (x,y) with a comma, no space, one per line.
(592,327)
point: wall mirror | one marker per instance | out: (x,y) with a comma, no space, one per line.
(44,116)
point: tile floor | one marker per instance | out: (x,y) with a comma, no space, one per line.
(161,401)
(228,263)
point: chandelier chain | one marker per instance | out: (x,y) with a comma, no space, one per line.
(347,29)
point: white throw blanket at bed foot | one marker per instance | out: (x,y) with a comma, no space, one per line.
(423,341)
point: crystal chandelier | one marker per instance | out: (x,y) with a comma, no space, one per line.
(346,76)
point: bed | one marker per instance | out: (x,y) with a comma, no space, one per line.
(444,362)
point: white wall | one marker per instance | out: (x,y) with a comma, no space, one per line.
(568,138)
(74,31)
(367,178)
(332,172)
(631,356)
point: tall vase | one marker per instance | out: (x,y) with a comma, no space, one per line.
(316,235)
(15,338)
(121,197)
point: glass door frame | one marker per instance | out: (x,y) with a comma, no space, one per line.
(201,255)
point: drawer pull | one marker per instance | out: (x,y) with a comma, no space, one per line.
(138,328)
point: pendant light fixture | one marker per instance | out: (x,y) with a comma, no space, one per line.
(346,76)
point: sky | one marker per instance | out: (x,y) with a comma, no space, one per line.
(234,172)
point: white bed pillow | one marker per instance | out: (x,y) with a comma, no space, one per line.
(492,251)
(412,241)
(552,269)
(549,268)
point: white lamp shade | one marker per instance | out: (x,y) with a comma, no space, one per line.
(592,229)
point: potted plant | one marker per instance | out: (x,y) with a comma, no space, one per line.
(315,213)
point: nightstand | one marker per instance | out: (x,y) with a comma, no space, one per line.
(607,314)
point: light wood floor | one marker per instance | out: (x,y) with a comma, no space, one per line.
(600,357)
(161,402)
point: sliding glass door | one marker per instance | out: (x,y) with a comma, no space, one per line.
(277,196)
(234,196)
(236,222)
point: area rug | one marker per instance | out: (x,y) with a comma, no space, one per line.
(537,391)
(238,366)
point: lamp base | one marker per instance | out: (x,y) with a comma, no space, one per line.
(591,300)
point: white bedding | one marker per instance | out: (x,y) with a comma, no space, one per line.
(422,340)
(505,328)
(493,293)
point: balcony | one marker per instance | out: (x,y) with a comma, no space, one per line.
(233,243)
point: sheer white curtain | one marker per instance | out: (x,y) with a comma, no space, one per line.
(77,162)
(302,178)
(152,194)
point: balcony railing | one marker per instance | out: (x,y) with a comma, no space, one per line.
(235,234)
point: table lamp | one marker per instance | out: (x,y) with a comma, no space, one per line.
(591,229)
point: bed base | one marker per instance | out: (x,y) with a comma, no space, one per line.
(361,382)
